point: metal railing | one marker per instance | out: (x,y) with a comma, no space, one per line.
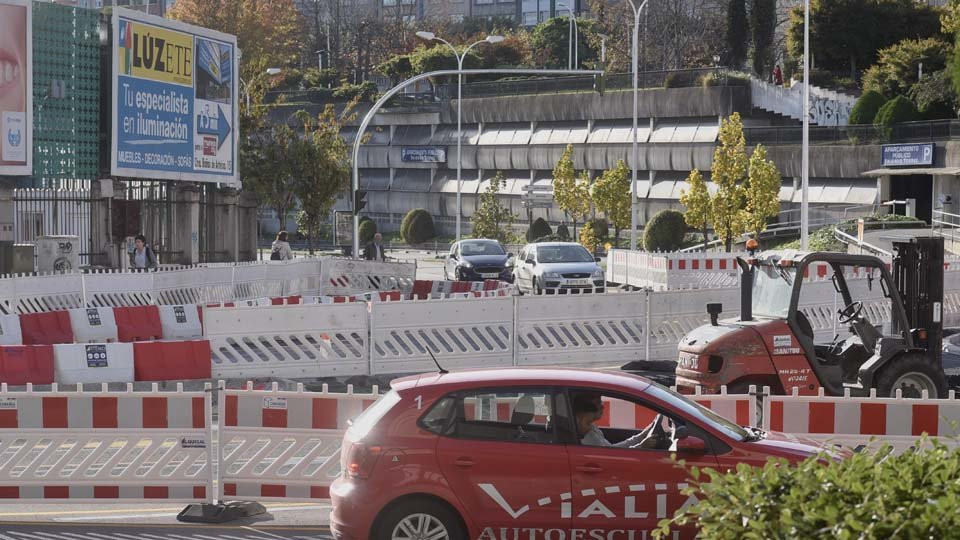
(856,134)
(849,239)
(675,78)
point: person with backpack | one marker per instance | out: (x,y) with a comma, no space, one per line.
(280,249)
(142,257)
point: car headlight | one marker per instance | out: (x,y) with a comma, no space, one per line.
(466,264)
(598,274)
(553,275)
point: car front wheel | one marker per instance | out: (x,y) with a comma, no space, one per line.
(536,287)
(422,519)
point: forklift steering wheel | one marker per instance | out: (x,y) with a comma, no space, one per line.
(851,312)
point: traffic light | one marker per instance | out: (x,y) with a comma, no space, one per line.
(359,200)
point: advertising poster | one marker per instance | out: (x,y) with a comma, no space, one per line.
(175,95)
(16,84)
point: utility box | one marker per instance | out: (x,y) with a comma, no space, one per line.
(58,254)
(23,258)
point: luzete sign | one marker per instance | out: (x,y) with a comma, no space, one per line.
(898,155)
(174,100)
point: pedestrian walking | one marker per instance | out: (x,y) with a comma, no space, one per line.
(374,250)
(777,76)
(280,249)
(142,257)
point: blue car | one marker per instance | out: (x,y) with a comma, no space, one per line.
(477,260)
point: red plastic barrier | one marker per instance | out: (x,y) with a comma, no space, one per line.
(171,360)
(285,300)
(22,364)
(491,284)
(138,323)
(47,328)
(391,296)
(421,289)
(460,286)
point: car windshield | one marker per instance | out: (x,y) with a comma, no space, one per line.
(563,254)
(481,248)
(772,289)
(697,411)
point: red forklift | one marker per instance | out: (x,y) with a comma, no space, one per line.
(773,342)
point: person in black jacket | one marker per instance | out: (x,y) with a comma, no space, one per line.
(374,250)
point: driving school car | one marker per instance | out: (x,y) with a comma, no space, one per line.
(495,454)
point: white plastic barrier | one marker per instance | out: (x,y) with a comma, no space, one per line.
(461,333)
(288,341)
(180,322)
(194,285)
(113,289)
(855,421)
(93,325)
(88,446)
(352,276)
(93,363)
(304,429)
(33,294)
(10,330)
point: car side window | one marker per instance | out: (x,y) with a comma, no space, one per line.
(523,255)
(532,254)
(508,415)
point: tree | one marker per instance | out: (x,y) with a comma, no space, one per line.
(738,31)
(269,32)
(763,23)
(897,67)
(846,34)
(265,171)
(762,192)
(571,195)
(934,96)
(550,41)
(665,231)
(729,172)
(492,219)
(698,203)
(611,195)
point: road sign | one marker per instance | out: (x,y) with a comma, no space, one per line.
(536,196)
(538,187)
(537,204)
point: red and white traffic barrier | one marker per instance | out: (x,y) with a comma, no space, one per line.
(93,325)
(315,421)
(855,421)
(113,428)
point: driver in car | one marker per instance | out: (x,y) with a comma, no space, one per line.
(587,409)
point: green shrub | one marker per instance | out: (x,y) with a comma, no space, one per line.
(665,231)
(935,96)
(538,229)
(563,233)
(368,228)
(867,496)
(865,109)
(896,69)
(365,90)
(898,109)
(600,228)
(678,79)
(417,227)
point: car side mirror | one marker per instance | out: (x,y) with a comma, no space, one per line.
(510,255)
(531,262)
(596,259)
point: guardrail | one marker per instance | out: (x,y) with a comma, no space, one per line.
(855,134)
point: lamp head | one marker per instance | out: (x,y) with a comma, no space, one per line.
(494,39)
(273,71)
(429,36)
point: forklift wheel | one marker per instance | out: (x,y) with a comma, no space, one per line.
(911,373)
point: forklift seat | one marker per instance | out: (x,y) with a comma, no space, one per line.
(805,327)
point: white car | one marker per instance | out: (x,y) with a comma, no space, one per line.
(557,267)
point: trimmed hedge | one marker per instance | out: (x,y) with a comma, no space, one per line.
(538,229)
(368,228)
(898,109)
(865,109)
(417,227)
(665,231)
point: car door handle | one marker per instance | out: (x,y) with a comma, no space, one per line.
(590,468)
(464,462)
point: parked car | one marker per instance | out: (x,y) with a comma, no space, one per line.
(476,260)
(469,454)
(557,267)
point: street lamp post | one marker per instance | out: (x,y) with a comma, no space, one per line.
(634,191)
(245,88)
(319,58)
(573,32)
(603,50)
(805,158)
(430,36)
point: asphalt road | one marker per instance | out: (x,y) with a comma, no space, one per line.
(75,531)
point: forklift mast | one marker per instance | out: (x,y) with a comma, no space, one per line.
(918,275)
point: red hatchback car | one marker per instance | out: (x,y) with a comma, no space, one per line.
(515,454)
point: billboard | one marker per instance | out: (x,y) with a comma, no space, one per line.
(16,88)
(174,100)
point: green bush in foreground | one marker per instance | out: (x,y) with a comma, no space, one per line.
(869,496)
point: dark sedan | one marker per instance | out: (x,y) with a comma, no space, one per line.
(476,260)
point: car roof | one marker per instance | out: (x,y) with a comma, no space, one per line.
(486,240)
(476,378)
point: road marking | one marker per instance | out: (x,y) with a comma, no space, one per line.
(96,515)
(84,512)
(264,532)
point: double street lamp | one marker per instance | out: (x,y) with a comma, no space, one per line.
(635,202)
(573,33)
(430,36)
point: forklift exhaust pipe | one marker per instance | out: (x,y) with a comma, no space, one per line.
(746,290)
(714,310)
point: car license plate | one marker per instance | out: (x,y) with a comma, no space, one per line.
(491,275)
(578,282)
